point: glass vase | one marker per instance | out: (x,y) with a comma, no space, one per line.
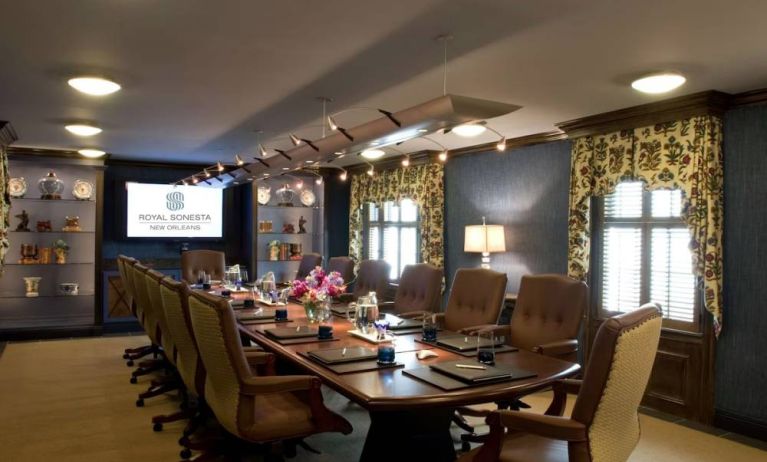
(316,311)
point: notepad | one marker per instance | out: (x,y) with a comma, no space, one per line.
(464,342)
(468,375)
(291,332)
(344,355)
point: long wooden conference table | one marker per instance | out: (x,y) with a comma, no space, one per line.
(408,416)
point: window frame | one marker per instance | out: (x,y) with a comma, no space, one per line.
(646,222)
(382,224)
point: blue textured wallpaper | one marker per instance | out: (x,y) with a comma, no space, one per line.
(526,190)
(741,372)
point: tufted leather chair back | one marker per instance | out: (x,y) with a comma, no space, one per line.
(475,298)
(343,265)
(210,261)
(419,289)
(308,262)
(372,276)
(549,307)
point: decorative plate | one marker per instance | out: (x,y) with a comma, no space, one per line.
(264,194)
(82,190)
(17,187)
(307,197)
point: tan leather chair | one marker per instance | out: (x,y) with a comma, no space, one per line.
(308,262)
(372,276)
(210,261)
(344,266)
(476,298)
(418,292)
(254,409)
(123,262)
(604,425)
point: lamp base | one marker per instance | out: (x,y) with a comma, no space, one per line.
(485,260)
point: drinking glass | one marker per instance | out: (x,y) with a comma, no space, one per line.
(243,277)
(486,347)
(429,328)
(284,295)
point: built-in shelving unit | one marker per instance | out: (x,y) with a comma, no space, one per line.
(52,310)
(311,241)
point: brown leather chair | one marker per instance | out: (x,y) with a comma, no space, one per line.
(308,262)
(372,276)
(210,261)
(476,298)
(604,425)
(344,266)
(419,291)
(254,409)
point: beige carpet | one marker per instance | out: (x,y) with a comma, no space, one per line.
(71,400)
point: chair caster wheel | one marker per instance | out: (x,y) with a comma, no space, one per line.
(157,427)
(129,363)
(185,453)
(465,446)
(126,356)
(133,380)
(139,402)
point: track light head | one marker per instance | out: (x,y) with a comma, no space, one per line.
(295,140)
(300,184)
(207,173)
(443,156)
(219,166)
(262,150)
(195,180)
(238,160)
(183,182)
(371,171)
(343,176)
(332,123)
(406,161)
(318,180)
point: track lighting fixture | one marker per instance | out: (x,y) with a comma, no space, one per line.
(318,180)
(207,173)
(443,156)
(501,146)
(300,184)
(183,182)
(406,161)
(343,175)
(219,167)
(238,160)
(262,150)
(295,140)
(332,123)
(195,180)
(371,171)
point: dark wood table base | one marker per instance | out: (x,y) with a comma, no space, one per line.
(423,434)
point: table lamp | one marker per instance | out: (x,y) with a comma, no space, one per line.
(484,239)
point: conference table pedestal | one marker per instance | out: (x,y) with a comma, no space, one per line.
(423,434)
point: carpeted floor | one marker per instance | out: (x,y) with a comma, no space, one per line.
(71,400)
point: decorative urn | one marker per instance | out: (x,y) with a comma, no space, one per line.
(285,195)
(50,186)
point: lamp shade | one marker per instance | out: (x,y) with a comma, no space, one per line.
(484,239)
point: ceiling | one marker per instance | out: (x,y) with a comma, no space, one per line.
(200,78)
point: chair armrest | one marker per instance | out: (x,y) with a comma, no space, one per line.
(547,426)
(278,384)
(486,328)
(558,348)
(259,361)
(561,389)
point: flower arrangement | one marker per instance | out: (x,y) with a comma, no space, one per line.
(60,244)
(317,286)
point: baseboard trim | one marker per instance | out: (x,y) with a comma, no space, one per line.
(48,333)
(740,424)
(122,327)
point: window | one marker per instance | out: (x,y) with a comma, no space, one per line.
(391,233)
(642,255)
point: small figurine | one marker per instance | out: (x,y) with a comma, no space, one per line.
(44,226)
(24,224)
(72,224)
(288,228)
(301,223)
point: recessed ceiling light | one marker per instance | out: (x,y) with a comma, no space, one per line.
(373,153)
(374,143)
(92,153)
(286,168)
(94,85)
(339,153)
(469,130)
(309,161)
(659,83)
(422,130)
(83,129)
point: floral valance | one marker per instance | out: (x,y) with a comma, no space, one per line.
(684,154)
(5,205)
(423,184)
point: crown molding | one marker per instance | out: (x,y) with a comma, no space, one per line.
(7,133)
(748,98)
(512,143)
(23,151)
(704,103)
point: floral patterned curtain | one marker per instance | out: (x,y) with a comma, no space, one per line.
(5,205)
(684,154)
(424,185)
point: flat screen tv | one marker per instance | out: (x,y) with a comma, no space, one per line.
(170,211)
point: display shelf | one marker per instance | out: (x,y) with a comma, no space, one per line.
(52,232)
(51,264)
(37,199)
(88,294)
(278,261)
(288,234)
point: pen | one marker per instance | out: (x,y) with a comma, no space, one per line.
(468,366)
(343,352)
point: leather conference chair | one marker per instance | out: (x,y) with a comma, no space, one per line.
(135,275)
(419,290)
(372,276)
(308,262)
(344,266)
(210,261)
(254,409)
(546,320)
(604,425)
(475,300)
(130,354)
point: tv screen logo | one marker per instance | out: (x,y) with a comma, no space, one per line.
(174,200)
